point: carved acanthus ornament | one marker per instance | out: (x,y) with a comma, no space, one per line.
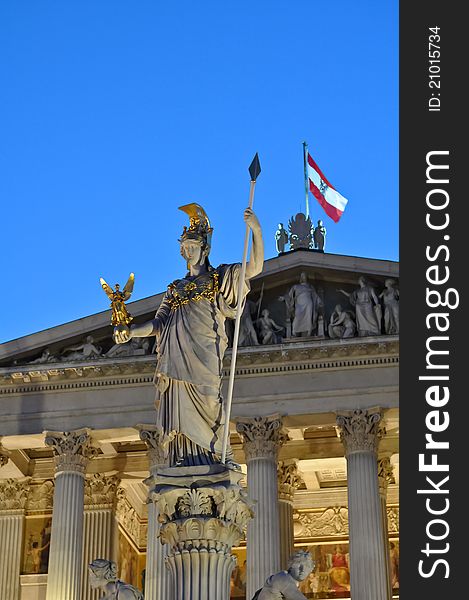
(13,494)
(385,475)
(393,519)
(41,497)
(100,491)
(157,443)
(72,449)
(262,436)
(289,479)
(360,430)
(211,515)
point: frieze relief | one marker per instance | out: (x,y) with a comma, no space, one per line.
(129,520)
(41,497)
(333,522)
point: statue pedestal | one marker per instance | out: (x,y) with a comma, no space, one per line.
(203,513)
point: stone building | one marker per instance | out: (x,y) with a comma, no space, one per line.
(314,426)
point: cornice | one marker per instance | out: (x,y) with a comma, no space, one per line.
(294,356)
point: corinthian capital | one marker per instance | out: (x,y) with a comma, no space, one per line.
(360,430)
(72,449)
(385,474)
(262,436)
(157,443)
(289,479)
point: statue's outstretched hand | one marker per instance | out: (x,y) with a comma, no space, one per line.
(251,220)
(121,334)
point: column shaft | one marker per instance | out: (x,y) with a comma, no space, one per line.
(368,570)
(11,537)
(263,536)
(97,543)
(286,532)
(66,546)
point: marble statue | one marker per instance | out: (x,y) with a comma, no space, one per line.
(136,346)
(367,308)
(281,238)
(103,576)
(300,228)
(390,296)
(191,341)
(85,351)
(45,357)
(303,304)
(319,236)
(284,585)
(247,333)
(268,329)
(341,324)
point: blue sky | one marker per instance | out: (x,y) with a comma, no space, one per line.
(115,113)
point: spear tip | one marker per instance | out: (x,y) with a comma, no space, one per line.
(255,168)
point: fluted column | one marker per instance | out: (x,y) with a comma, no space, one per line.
(288,481)
(71,452)
(360,432)
(100,494)
(262,438)
(13,495)
(157,577)
(384,478)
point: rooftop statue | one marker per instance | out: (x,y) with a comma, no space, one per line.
(281,238)
(103,576)
(284,585)
(301,229)
(191,340)
(319,236)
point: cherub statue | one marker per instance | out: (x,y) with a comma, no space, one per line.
(285,584)
(103,576)
(120,314)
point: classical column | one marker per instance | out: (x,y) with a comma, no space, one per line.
(360,433)
(71,452)
(262,438)
(385,477)
(13,496)
(157,576)
(100,494)
(288,481)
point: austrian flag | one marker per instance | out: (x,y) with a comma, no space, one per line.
(327,196)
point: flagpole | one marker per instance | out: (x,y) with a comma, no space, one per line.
(305,154)
(254,170)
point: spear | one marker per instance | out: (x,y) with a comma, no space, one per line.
(254,170)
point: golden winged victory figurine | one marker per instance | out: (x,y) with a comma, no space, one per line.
(120,315)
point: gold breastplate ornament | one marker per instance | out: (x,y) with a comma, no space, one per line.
(204,287)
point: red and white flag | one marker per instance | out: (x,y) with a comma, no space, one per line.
(328,197)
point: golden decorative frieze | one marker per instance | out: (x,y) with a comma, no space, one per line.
(13,494)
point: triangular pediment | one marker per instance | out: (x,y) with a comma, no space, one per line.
(325,271)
